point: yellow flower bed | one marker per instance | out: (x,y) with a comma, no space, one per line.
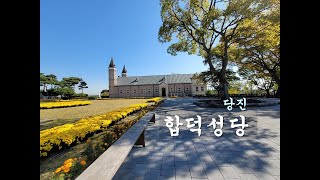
(68,133)
(61,104)
(155,100)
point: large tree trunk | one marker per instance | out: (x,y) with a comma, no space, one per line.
(224,94)
(223,84)
(278,91)
(223,87)
(277,80)
(268,92)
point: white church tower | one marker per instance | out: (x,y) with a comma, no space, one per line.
(112,79)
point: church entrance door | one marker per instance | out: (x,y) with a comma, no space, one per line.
(163,90)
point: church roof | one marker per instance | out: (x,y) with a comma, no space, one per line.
(157,79)
(112,63)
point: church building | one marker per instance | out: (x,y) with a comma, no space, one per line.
(180,85)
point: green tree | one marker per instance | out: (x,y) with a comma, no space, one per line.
(213,80)
(65,92)
(51,79)
(259,78)
(65,87)
(248,87)
(43,81)
(258,46)
(209,92)
(70,82)
(263,83)
(235,87)
(82,86)
(104,93)
(199,24)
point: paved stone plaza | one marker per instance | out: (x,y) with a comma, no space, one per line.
(256,155)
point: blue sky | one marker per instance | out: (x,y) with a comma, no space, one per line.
(78,38)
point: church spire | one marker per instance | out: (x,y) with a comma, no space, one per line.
(112,63)
(124,69)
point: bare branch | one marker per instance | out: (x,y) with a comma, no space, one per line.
(203,10)
(214,4)
(213,39)
(230,36)
(276,55)
(224,20)
(233,22)
(186,28)
(197,18)
(276,65)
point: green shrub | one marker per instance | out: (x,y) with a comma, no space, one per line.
(80,95)
(209,92)
(92,97)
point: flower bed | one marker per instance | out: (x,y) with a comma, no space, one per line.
(70,169)
(73,167)
(67,134)
(155,100)
(84,154)
(62,104)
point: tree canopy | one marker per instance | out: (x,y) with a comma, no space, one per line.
(82,86)
(257,51)
(65,87)
(198,26)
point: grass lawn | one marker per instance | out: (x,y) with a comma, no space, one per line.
(54,117)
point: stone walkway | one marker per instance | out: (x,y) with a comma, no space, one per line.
(256,155)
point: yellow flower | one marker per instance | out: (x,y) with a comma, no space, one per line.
(68,165)
(65,170)
(61,104)
(58,170)
(68,161)
(83,163)
(69,133)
